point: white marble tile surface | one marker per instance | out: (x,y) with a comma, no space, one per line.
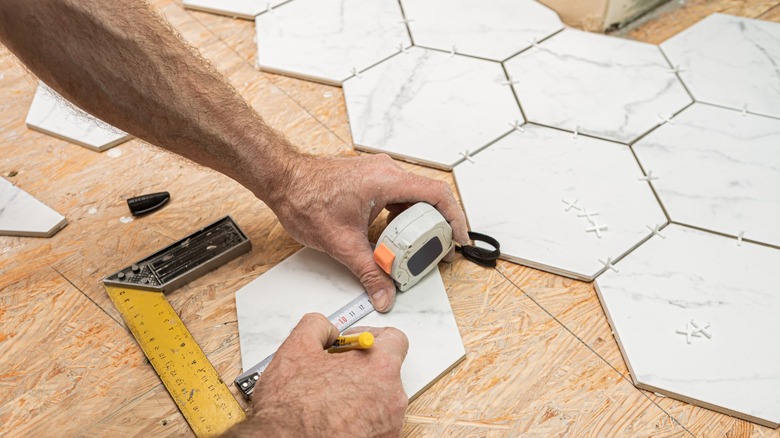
(310,281)
(246,9)
(23,215)
(492,29)
(605,86)
(52,114)
(718,169)
(730,61)
(430,107)
(697,276)
(324,40)
(518,188)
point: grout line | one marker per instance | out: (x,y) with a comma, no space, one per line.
(456,53)
(652,187)
(720,233)
(406,23)
(88,297)
(676,73)
(537,42)
(643,393)
(514,93)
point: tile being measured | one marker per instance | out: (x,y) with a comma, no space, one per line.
(329,40)
(23,215)
(310,281)
(492,29)
(561,204)
(608,87)
(730,61)
(246,9)
(430,107)
(718,169)
(695,316)
(52,114)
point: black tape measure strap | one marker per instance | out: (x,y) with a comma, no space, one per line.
(481,256)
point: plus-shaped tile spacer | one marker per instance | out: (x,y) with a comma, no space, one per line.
(402,48)
(665,119)
(608,265)
(740,236)
(648,178)
(453,51)
(570,205)
(588,215)
(576,132)
(406,20)
(656,231)
(688,332)
(516,126)
(510,82)
(467,157)
(676,69)
(744,110)
(356,73)
(596,228)
(699,329)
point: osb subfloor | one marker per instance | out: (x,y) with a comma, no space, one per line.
(541,361)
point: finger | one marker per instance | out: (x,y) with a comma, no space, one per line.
(313,333)
(390,340)
(360,260)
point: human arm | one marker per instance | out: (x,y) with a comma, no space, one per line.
(120,61)
(306,391)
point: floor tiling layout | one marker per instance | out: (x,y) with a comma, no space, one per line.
(695,315)
(594,84)
(329,40)
(653,170)
(718,169)
(246,9)
(310,281)
(559,203)
(491,29)
(430,107)
(23,215)
(51,114)
(730,61)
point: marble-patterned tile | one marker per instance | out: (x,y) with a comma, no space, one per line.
(328,40)
(695,315)
(310,281)
(718,169)
(246,9)
(604,86)
(430,107)
(730,61)
(51,114)
(556,202)
(23,215)
(491,29)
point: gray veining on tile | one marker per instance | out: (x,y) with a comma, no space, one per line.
(23,215)
(608,87)
(696,317)
(310,281)
(430,107)
(730,61)
(718,169)
(492,29)
(246,9)
(558,203)
(324,40)
(52,114)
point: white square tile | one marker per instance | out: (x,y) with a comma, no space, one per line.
(246,9)
(51,114)
(729,291)
(491,29)
(517,191)
(718,169)
(324,40)
(309,281)
(730,61)
(608,87)
(430,107)
(23,215)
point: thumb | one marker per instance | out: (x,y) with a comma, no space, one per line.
(380,287)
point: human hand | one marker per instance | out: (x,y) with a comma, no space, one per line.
(306,391)
(328,203)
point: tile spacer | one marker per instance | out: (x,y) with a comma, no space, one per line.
(608,265)
(570,205)
(453,51)
(656,231)
(403,49)
(665,120)
(740,236)
(269,9)
(596,228)
(587,215)
(510,81)
(676,69)
(687,332)
(467,157)
(516,126)
(744,110)
(576,132)
(356,73)
(649,177)
(406,21)
(699,329)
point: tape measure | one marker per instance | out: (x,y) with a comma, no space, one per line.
(137,292)
(343,319)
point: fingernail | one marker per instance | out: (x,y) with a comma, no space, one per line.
(380,299)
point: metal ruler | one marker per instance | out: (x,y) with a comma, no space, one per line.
(343,319)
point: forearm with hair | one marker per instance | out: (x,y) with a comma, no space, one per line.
(121,61)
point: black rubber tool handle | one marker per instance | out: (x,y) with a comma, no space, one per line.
(481,256)
(147,203)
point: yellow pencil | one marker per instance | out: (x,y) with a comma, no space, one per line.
(357,341)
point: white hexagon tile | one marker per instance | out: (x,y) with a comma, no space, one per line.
(565,205)
(696,318)
(491,29)
(430,107)
(21,214)
(730,61)
(51,114)
(718,169)
(246,9)
(329,40)
(603,86)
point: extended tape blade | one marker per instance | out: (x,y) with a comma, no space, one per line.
(343,319)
